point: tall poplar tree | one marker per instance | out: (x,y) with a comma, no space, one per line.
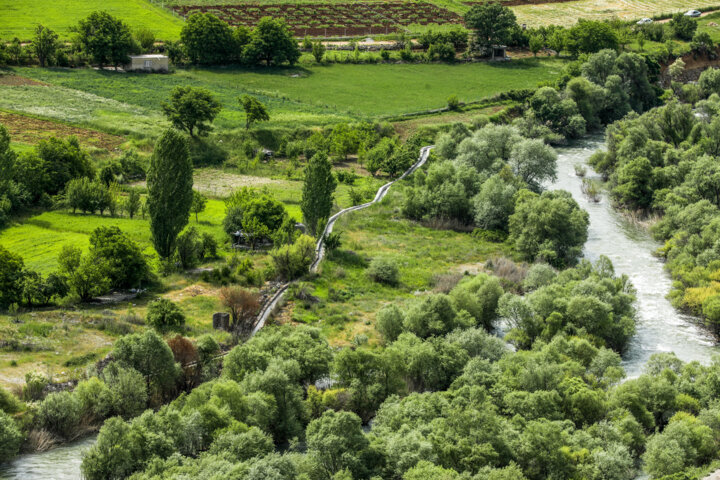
(170,193)
(318,189)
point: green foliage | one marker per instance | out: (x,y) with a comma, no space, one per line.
(170,192)
(318,189)
(491,22)
(589,36)
(150,355)
(163,313)
(10,437)
(272,42)
(60,414)
(11,276)
(683,26)
(550,226)
(382,270)
(336,441)
(192,110)
(125,265)
(208,40)
(255,111)
(106,39)
(45,45)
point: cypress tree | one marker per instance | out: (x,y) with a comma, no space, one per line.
(318,189)
(170,193)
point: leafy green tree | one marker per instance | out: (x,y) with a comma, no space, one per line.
(683,26)
(634,184)
(59,413)
(599,66)
(116,453)
(590,36)
(279,380)
(170,192)
(434,315)
(710,81)
(106,39)
(163,313)
(63,160)
(255,111)
(10,437)
(318,188)
(45,44)
(318,51)
(89,279)
(533,162)
(148,354)
(132,203)
(199,202)
(251,204)
(11,277)
(293,261)
(492,23)
(536,44)
(207,40)
(189,247)
(550,226)
(123,258)
(336,441)
(272,42)
(389,322)
(192,110)
(494,203)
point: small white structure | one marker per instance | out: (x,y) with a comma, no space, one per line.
(148,63)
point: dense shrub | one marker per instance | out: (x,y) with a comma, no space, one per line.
(550,226)
(10,437)
(60,414)
(163,313)
(382,270)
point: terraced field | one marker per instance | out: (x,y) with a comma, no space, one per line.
(332,19)
(567,13)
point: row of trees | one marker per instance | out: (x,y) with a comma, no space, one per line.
(207,40)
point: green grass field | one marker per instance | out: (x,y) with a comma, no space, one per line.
(312,95)
(39,238)
(18,18)
(349,300)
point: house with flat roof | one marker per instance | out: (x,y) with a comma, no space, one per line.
(148,63)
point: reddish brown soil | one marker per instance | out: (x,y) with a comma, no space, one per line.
(31,130)
(17,80)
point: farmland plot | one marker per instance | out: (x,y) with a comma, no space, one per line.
(568,13)
(327,19)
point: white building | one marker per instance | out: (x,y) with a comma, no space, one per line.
(148,63)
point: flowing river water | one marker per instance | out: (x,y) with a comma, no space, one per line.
(660,327)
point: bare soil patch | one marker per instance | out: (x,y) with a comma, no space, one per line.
(17,80)
(192,291)
(31,130)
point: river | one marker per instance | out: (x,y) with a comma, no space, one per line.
(660,327)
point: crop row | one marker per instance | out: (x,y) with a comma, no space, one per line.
(331,19)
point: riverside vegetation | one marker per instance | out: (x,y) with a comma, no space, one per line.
(397,330)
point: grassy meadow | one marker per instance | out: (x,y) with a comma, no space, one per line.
(309,95)
(18,18)
(349,300)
